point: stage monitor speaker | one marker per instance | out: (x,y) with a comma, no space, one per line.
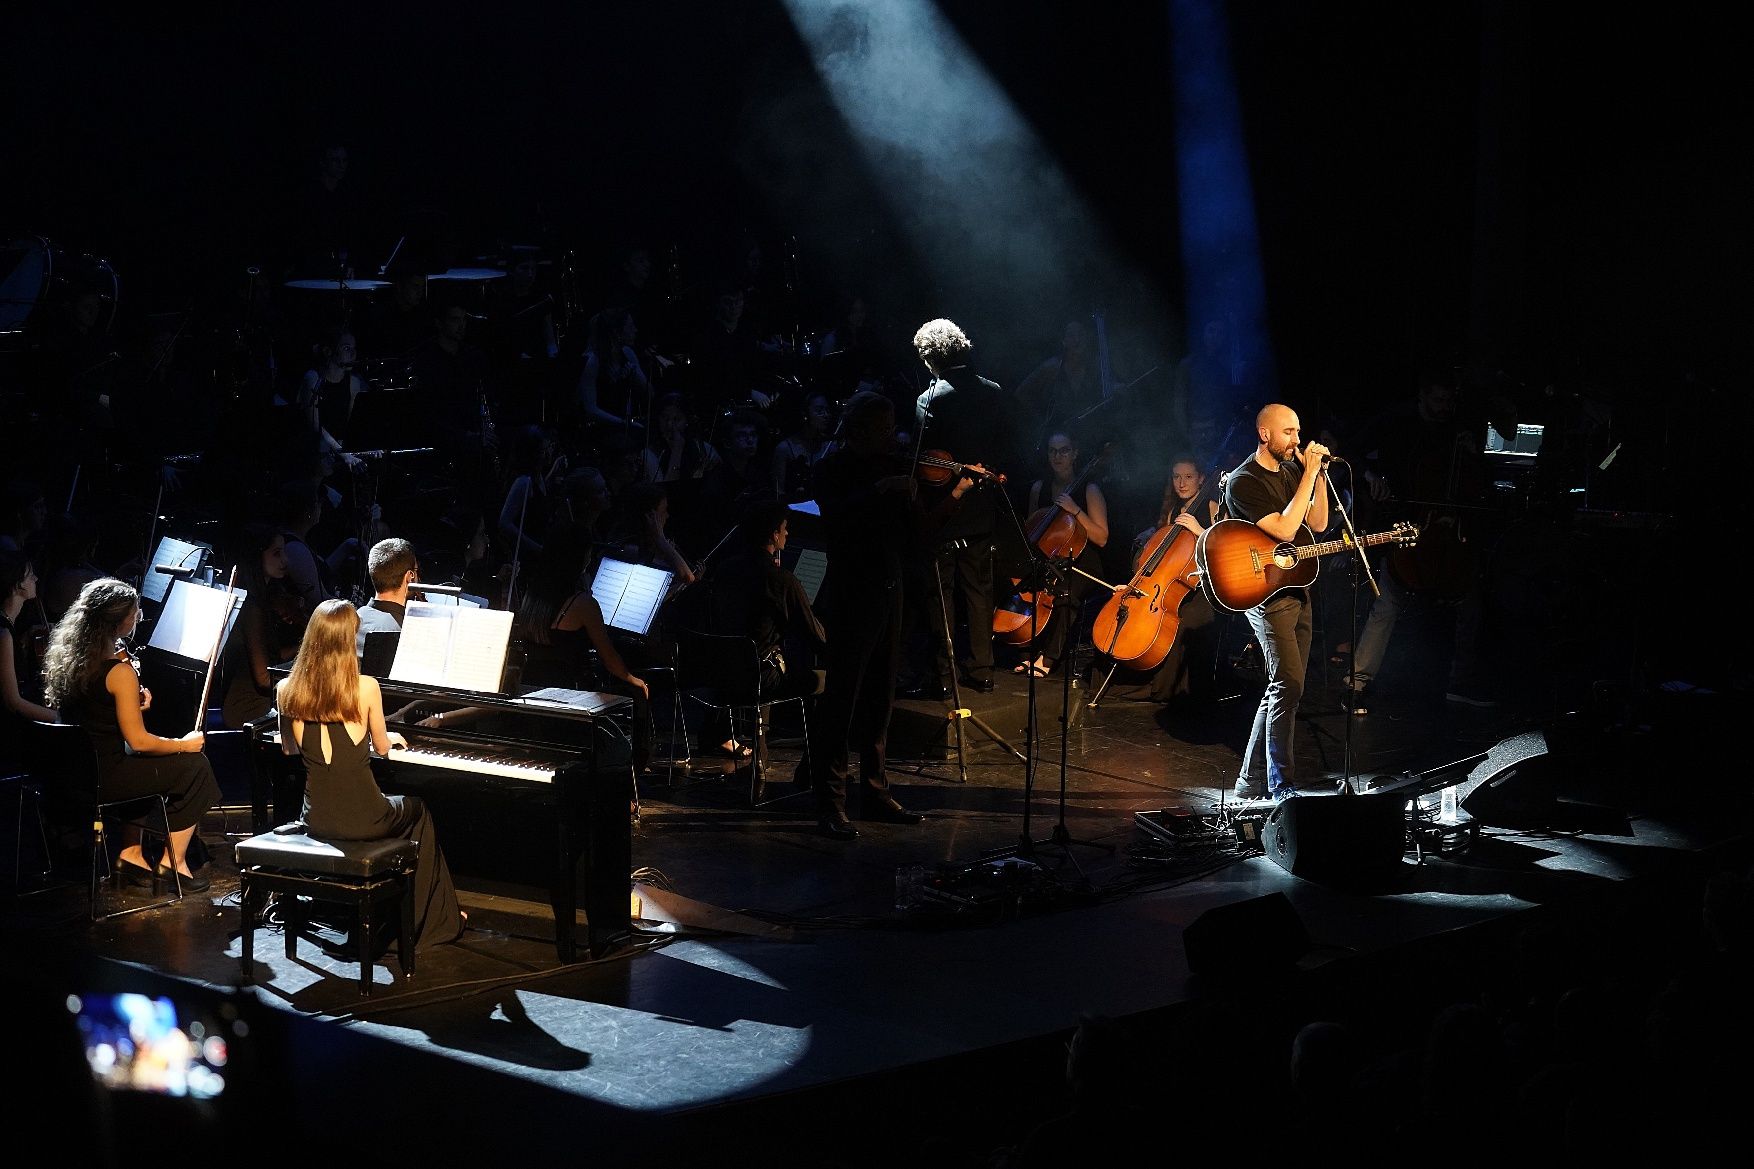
(1339,838)
(1259,937)
(1515,786)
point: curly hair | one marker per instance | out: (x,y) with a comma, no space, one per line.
(85,637)
(942,344)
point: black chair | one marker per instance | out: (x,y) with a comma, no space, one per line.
(62,759)
(361,874)
(29,791)
(722,672)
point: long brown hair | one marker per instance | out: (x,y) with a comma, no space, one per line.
(324,684)
(84,639)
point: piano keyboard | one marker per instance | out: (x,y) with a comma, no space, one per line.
(474,760)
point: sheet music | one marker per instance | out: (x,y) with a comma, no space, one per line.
(588,700)
(478,644)
(170,552)
(191,619)
(466,600)
(629,594)
(811,567)
(452,645)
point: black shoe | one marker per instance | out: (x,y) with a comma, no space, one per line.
(194,884)
(137,875)
(837,828)
(925,692)
(983,686)
(887,811)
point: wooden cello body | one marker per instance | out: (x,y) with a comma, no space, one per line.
(1137,628)
(1058,536)
(1020,618)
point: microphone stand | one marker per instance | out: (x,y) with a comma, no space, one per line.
(1345,786)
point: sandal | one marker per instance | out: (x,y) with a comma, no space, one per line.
(732,749)
(1026,668)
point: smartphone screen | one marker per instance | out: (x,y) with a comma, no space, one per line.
(151,1044)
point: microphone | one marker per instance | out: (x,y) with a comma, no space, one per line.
(175,569)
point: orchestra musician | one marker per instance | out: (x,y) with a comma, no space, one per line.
(1189,667)
(334,717)
(18,586)
(1279,489)
(964,413)
(393,567)
(873,521)
(82,679)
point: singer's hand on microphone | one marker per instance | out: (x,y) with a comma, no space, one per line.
(1316,454)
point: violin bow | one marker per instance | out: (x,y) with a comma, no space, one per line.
(213,656)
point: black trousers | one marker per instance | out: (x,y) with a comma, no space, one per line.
(852,714)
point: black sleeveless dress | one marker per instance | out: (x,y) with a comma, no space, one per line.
(186,780)
(343,802)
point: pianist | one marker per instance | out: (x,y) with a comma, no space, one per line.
(393,568)
(334,717)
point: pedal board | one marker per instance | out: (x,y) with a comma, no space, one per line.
(1179,825)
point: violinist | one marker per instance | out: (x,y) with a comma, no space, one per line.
(640,525)
(1189,667)
(18,587)
(873,523)
(1089,512)
(964,413)
(82,679)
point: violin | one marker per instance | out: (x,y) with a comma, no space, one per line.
(133,660)
(937,468)
(1056,534)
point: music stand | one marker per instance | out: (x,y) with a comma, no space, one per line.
(379,653)
(172,553)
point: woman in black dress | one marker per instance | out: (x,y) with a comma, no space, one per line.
(90,678)
(1090,512)
(267,628)
(1189,668)
(334,716)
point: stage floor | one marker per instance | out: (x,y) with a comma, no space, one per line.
(773,978)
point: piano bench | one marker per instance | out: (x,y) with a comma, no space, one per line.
(359,873)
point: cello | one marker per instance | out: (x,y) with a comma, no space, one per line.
(1057,535)
(1137,626)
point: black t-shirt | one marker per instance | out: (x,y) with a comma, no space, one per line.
(1253,492)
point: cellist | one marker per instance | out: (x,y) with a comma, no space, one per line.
(1088,510)
(1188,669)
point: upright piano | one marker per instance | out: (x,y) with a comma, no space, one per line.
(501,772)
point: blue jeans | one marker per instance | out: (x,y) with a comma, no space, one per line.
(1282,628)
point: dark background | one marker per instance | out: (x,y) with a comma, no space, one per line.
(1540,190)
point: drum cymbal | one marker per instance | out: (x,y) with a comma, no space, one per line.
(467,274)
(338,285)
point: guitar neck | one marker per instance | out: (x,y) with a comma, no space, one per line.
(1310,551)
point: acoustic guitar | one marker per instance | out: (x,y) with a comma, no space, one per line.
(1242,566)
